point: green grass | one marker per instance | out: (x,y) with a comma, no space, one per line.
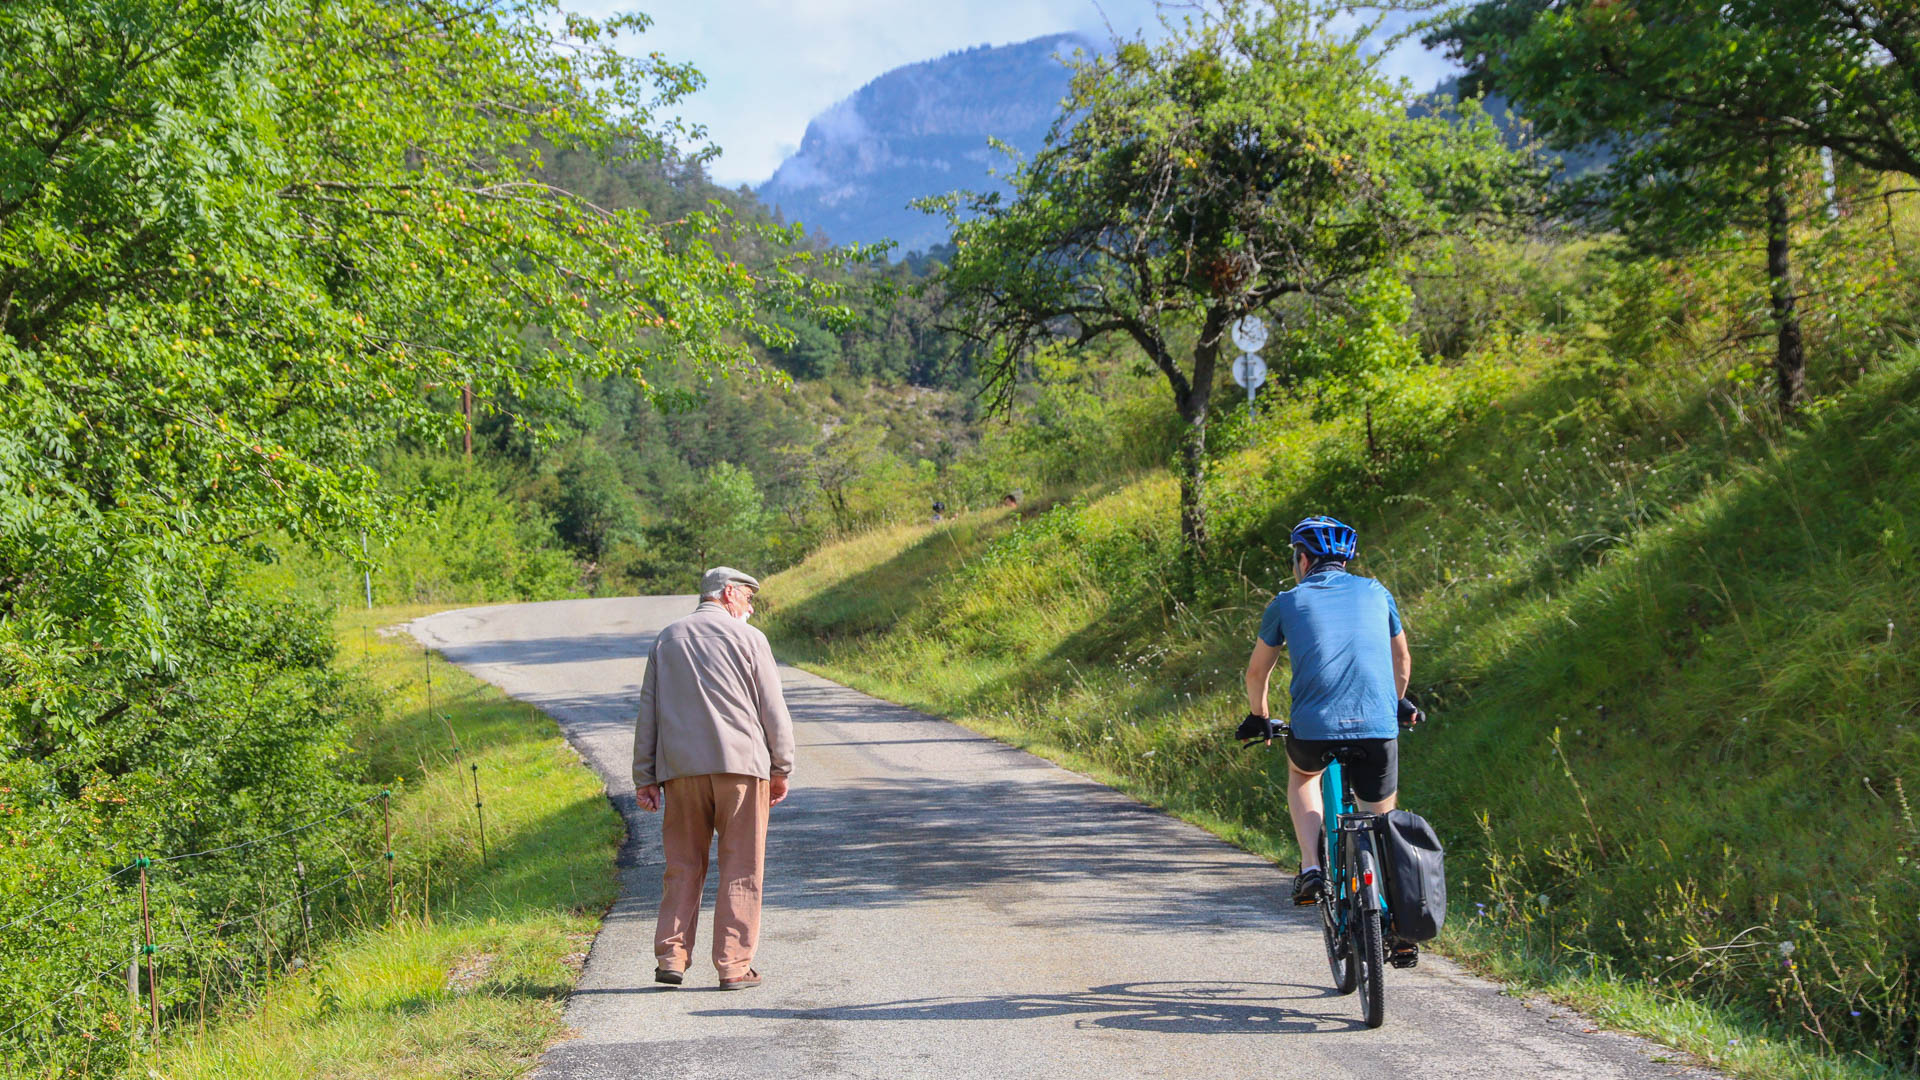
(1665,641)
(470,978)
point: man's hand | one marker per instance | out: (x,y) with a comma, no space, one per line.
(777,788)
(1410,713)
(1256,728)
(648,797)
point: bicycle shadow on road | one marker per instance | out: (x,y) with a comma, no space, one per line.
(1199,1008)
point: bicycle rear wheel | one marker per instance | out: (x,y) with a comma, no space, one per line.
(1370,961)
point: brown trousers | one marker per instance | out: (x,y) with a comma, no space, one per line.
(698,807)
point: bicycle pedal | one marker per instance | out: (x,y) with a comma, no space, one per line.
(1404,958)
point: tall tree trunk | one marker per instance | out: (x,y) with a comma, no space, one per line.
(1790,353)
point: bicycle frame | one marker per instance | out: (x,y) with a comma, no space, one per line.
(1343,854)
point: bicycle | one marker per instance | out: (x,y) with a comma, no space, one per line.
(1354,914)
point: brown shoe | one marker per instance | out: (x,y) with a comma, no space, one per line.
(668,976)
(745,982)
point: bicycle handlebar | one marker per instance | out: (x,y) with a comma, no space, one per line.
(1263,730)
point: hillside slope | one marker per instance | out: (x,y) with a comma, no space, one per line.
(1667,646)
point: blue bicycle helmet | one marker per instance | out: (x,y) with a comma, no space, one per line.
(1325,538)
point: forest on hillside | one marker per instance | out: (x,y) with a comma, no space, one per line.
(293,294)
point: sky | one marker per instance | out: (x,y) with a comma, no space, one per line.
(773,65)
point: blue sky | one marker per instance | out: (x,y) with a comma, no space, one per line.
(772,65)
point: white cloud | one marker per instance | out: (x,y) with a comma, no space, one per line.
(773,65)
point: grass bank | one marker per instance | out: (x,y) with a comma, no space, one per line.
(469,977)
(1666,641)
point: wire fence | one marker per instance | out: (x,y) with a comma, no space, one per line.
(188,940)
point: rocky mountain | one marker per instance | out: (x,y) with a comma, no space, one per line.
(920,130)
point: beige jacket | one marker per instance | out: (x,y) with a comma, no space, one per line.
(710,702)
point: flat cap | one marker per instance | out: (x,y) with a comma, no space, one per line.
(720,577)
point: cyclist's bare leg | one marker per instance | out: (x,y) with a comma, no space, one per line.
(1303,801)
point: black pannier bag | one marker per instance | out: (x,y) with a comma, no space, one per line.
(1416,876)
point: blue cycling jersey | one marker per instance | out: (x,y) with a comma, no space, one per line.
(1338,628)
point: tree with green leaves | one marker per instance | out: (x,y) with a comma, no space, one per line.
(1251,154)
(1712,112)
(1843,75)
(244,246)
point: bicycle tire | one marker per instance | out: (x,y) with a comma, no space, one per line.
(1339,951)
(1370,959)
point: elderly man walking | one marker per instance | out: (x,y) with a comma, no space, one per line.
(715,744)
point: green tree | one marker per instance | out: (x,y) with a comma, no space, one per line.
(1838,74)
(717,516)
(241,245)
(1251,154)
(1711,111)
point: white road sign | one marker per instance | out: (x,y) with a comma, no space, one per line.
(1250,371)
(1250,333)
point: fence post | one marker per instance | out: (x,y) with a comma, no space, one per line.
(146,932)
(306,913)
(479,814)
(386,820)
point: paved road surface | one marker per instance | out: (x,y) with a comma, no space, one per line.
(941,905)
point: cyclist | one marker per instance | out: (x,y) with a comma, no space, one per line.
(1350,669)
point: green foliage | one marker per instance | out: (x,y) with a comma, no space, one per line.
(246,250)
(471,978)
(714,518)
(1813,73)
(1712,113)
(1252,154)
(592,507)
(468,537)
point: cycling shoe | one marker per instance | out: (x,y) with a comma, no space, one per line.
(1307,886)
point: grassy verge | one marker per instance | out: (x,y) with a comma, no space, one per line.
(469,979)
(1668,652)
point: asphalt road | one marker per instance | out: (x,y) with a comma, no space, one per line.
(939,904)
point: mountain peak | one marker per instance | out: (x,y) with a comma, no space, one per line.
(919,130)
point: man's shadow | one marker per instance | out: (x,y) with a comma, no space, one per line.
(1205,1008)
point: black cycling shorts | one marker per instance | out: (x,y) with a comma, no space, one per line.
(1372,766)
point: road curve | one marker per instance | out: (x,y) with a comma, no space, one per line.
(939,904)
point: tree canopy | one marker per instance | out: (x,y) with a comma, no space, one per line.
(1250,154)
(243,245)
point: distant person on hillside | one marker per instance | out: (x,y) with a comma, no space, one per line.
(1351,664)
(715,744)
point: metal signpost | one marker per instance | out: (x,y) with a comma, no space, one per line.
(1249,370)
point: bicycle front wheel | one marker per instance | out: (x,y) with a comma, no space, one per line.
(1339,948)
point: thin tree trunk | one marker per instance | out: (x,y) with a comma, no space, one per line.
(1193,475)
(1790,354)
